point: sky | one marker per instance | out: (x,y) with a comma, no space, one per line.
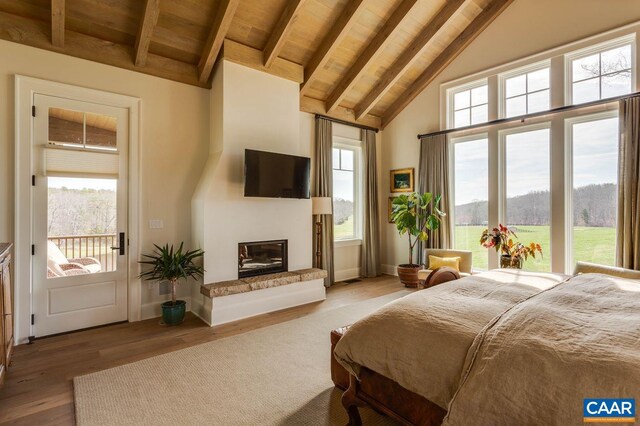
(595,157)
(343,179)
(82,183)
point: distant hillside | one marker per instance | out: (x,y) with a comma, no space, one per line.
(594,205)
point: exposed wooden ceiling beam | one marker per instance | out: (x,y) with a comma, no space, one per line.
(57,23)
(369,55)
(249,57)
(279,34)
(482,21)
(316,106)
(145,31)
(37,34)
(338,31)
(219,28)
(407,58)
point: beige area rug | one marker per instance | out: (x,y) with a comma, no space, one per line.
(278,375)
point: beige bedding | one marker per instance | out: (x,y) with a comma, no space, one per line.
(421,341)
(538,362)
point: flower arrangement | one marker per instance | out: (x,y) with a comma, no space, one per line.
(514,253)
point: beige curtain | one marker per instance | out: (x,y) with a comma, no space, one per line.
(433,176)
(628,229)
(370,256)
(323,187)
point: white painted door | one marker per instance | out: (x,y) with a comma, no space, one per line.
(79,217)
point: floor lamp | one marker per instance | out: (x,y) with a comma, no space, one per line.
(320,206)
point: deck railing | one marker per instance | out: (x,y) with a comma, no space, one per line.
(97,246)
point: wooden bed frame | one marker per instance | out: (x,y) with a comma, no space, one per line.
(380,392)
(389,398)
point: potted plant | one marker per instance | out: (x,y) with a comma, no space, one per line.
(514,253)
(414,214)
(172,265)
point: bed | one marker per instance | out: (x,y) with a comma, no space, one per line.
(499,347)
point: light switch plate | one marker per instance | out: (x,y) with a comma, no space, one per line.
(156,224)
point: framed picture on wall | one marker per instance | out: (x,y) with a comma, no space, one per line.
(402,180)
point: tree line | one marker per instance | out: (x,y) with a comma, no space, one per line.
(593,205)
(81,212)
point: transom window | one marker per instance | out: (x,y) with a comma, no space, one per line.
(601,74)
(346,190)
(470,105)
(526,93)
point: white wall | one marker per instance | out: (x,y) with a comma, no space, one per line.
(173,145)
(525,28)
(256,111)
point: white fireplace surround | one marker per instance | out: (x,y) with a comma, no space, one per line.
(250,110)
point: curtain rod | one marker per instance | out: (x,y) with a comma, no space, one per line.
(347,123)
(532,115)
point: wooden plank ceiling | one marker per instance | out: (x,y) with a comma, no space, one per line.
(357,60)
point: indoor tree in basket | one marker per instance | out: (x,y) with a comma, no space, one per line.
(172,265)
(414,214)
(514,253)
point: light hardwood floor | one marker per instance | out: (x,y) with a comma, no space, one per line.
(39,387)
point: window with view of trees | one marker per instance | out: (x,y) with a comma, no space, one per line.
(594,145)
(470,106)
(471,176)
(527,182)
(346,219)
(601,75)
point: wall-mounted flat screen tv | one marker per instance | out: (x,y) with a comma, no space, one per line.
(268,174)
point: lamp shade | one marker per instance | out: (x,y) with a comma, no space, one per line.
(321,205)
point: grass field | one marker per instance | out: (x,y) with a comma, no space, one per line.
(343,230)
(590,245)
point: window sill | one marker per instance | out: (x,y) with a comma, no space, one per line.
(347,243)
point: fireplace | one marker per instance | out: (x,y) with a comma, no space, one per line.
(262,257)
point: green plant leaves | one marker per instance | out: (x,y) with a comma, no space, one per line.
(168,263)
(415,214)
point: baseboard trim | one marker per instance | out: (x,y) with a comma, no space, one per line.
(198,309)
(390,270)
(346,274)
(153,310)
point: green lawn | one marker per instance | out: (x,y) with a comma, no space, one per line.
(590,244)
(344,230)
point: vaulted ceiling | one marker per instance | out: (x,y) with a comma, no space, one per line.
(356,60)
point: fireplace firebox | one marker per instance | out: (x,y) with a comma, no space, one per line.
(262,257)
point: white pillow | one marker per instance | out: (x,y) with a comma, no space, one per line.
(55,268)
(54,254)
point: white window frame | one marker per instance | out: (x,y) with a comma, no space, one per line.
(502,85)
(568,177)
(502,175)
(570,57)
(354,145)
(463,88)
(452,173)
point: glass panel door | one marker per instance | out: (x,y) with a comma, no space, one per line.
(79,217)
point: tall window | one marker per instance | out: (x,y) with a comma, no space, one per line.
(471,177)
(470,105)
(601,75)
(346,192)
(594,143)
(527,191)
(526,93)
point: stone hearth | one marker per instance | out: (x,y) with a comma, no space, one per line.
(243,285)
